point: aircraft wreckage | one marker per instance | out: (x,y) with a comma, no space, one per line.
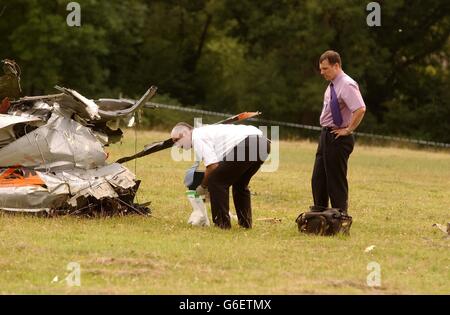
(51,152)
(52,157)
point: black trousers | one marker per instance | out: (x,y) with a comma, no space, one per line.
(236,170)
(329,178)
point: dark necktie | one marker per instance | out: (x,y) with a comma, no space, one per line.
(335,110)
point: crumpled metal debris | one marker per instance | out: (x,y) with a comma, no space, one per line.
(59,144)
(52,157)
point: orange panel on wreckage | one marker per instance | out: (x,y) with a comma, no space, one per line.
(18,176)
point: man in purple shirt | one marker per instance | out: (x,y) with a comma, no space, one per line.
(343,110)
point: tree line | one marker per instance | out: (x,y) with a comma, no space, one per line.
(239,55)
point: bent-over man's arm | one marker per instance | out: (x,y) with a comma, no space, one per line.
(209,169)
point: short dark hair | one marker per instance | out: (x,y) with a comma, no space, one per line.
(332,57)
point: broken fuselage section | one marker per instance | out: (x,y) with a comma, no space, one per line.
(52,158)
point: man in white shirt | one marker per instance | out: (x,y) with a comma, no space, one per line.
(232,154)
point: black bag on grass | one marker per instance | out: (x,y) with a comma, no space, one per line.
(324,221)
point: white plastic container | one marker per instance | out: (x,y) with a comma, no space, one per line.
(199,216)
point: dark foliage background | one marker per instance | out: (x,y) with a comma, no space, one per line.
(236,55)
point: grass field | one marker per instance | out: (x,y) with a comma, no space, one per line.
(395,197)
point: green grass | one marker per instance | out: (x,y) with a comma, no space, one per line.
(395,197)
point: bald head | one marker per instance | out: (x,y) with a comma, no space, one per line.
(182,135)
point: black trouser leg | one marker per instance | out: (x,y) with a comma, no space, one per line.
(226,174)
(336,160)
(241,195)
(219,197)
(237,174)
(329,180)
(319,176)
